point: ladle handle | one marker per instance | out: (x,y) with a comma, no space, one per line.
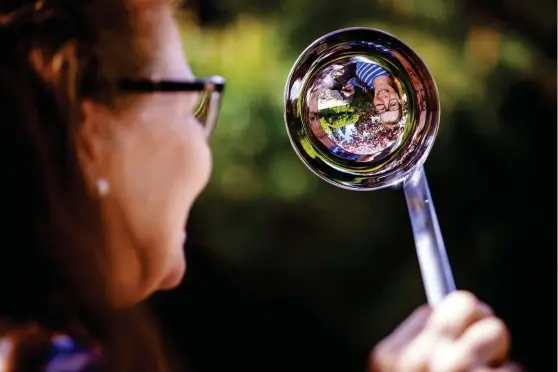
(435,268)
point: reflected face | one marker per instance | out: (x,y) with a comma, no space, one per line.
(386,100)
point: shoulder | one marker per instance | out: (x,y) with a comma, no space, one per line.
(31,348)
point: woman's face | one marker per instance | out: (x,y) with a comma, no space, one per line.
(386,100)
(156,160)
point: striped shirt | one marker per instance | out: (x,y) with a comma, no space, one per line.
(367,73)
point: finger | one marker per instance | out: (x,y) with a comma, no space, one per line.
(483,344)
(386,355)
(410,327)
(417,354)
(456,313)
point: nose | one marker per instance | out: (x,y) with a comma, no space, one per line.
(385,99)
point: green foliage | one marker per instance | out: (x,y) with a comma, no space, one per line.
(338,116)
(350,113)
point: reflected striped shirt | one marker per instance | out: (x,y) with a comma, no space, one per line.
(367,73)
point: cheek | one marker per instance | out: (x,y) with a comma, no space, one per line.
(191,165)
(196,158)
(157,167)
(161,167)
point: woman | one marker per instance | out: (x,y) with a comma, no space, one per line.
(382,87)
(101,167)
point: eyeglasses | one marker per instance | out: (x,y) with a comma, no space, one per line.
(210,89)
(393,105)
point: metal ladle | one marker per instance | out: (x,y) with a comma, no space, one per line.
(362,113)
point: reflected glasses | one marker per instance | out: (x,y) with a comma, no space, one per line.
(393,106)
(210,89)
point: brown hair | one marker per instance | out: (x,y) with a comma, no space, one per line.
(54,55)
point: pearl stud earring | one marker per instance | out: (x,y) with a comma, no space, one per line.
(102,187)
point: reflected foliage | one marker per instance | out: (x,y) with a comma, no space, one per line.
(337,117)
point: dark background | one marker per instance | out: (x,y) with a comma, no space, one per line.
(288,273)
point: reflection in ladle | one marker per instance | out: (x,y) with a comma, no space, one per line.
(377,82)
(360,110)
(324,139)
(351,130)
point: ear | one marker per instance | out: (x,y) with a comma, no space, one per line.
(91,141)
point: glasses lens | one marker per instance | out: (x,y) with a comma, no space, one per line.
(209,104)
(207,110)
(393,105)
(203,107)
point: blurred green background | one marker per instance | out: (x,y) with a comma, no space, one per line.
(288,273)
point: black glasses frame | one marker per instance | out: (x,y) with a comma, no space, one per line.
(211,87)
(153,86)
